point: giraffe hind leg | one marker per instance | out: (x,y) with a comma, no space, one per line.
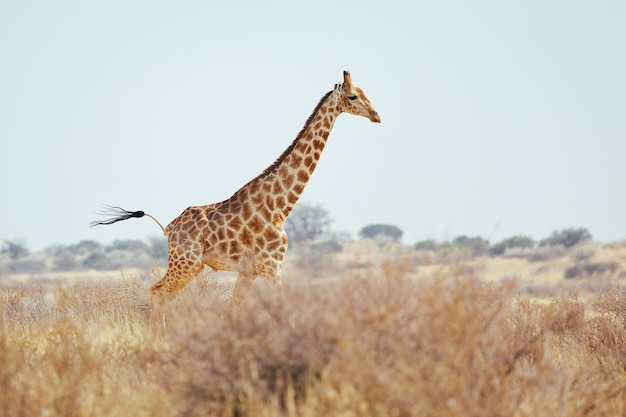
(164,291)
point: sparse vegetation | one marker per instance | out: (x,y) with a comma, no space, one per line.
(519,242)
(592,269)
(475,246)
(545,253)
(461,247)
(426,245)
(84,255)
(552,247)
(385,329)
(567,237)
(380,344)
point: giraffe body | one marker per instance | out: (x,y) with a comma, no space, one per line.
(245,232)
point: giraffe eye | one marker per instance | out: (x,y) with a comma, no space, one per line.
(352,97)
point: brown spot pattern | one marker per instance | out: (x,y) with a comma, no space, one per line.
(245,233)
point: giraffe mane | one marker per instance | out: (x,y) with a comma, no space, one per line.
(287,151)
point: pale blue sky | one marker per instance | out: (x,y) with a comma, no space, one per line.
(498,117)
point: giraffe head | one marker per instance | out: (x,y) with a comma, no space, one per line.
(353,100)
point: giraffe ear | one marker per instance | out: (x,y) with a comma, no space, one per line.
(347,81)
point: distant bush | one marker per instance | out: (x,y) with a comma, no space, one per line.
(27,265)
(66,262)
(428,244)
(460,247)
(97,260)
(547,253)
(381,230)
(327,246)
(86,254)
(475,245)
(592,269)
(519,241)
(15,249)
(566,237)
(583,252)
(497,249)
(88,246)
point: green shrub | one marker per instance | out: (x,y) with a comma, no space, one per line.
(475,245)
(518,241)
(567,237)
(592,269)
(428,244)
(381,230)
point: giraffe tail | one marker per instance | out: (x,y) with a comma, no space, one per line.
(120,214)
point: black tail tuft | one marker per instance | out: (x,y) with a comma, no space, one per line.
(118,214)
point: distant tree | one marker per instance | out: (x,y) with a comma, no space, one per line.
(497,249)
(307,222)
(427,244)
(386,230)
(15,249)
(567,237)
(476,245)
(518,241)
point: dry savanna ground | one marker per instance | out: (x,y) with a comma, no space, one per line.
(376,334)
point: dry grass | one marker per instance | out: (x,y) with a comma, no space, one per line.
(378,344)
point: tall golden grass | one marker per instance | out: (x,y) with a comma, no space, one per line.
(376,344)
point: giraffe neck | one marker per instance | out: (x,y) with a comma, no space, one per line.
(282,183)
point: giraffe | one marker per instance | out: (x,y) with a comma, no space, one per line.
(245,232)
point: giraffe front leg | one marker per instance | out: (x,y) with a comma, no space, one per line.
(242,286)
(272,275)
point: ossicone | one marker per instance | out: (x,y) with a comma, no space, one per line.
(347,80)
